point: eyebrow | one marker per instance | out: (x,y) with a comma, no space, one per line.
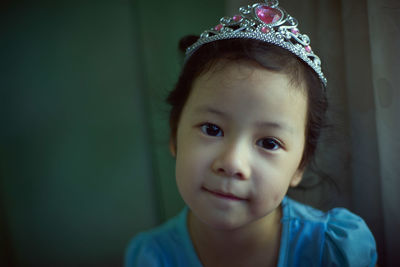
(259,124)
(276,125)
(205,109)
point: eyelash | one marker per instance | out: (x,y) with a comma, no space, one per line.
(205,127)
(211,129)
(277,145)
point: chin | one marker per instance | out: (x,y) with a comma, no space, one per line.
(225,224)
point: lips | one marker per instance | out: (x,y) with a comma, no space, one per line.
(224,195)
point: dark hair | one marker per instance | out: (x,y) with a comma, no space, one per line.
(268,56)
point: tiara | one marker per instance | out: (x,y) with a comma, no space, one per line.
(265,22)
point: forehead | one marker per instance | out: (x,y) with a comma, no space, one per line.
(226,70)
(245,75)
(249,89)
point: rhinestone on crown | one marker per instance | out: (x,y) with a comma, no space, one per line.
(266,22)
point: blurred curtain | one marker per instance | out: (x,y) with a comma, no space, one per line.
(384,27)
(359,41)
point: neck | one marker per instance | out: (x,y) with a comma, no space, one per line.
(258,241)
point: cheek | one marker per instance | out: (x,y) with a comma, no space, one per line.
(184,180)
(190,166)
(272,186)
(182,168)
(273,192)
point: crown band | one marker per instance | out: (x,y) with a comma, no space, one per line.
(264,22)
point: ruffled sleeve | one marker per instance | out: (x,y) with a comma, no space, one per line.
(348,241)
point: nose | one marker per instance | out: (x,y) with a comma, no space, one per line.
(232,161)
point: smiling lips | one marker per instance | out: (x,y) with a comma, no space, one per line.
(221,194)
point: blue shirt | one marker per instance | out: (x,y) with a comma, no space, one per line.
(309,238)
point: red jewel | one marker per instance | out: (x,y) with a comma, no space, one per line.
(295,30)
(267,14)
(218,27)
(265,29)
(237,18)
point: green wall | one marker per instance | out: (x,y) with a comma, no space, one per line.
(84,161)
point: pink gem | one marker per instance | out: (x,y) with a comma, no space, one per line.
(267,14)
(295,30)
(237,18)
(218,27)
(265,29)
(308,48)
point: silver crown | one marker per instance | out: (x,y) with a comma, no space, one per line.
(265,22)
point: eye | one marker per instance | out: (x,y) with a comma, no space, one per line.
(269,144)
(211,129)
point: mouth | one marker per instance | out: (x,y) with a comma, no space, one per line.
(224,195)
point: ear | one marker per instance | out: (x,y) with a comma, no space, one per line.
(172,147)
(297,177)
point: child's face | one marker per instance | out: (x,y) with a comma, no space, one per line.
(240,140)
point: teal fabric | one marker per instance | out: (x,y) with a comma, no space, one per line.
(309,238)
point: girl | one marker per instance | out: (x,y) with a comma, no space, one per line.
(246,115)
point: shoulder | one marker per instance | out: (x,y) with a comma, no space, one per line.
(143,250)
(162,246)
(339,237)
